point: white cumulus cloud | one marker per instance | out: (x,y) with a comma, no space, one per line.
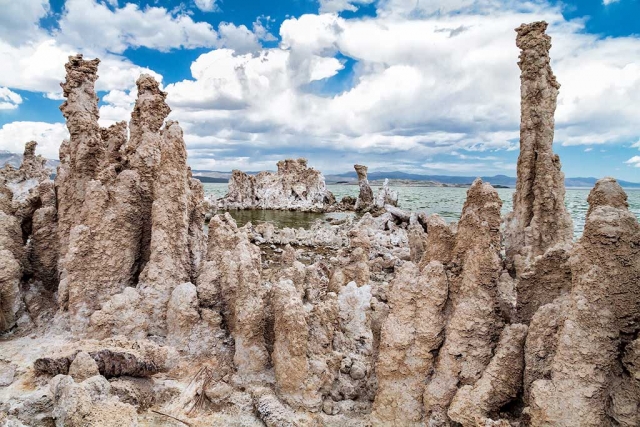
(14,135)
(19,20)
(9,100)
(206,5)
(634,161)
(93,25)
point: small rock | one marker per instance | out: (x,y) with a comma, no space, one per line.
(7,373)
(83,367)
(358,370)
(219,392)
(345,365)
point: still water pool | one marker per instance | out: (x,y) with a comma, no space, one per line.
(446,202)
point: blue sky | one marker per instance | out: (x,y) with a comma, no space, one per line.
(426,86)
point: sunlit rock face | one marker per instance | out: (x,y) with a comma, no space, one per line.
(294,186)
(588,384)
(539,232)
(118,307)
(127,215)
(28,244)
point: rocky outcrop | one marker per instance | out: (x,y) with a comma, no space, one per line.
(42,247)
(192,329)
(388,318)
(290,348)
(408,341)
(112,360)
(540,219)
(28,246)
(169,262)
(473,323)
(386,196)
(542,342)
(500,383)
(94,198)
(88,403)
(83,367)
(10,275)
(230,282)
(603,312)
(11,266)
(539,231)
(365,197)
(140,186)
(295,186)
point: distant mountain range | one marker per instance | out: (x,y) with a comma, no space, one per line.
(351,177)
(7,157)
(504,180)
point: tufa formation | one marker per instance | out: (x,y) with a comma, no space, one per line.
(118,306)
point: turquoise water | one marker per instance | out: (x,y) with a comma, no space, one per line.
(447,202)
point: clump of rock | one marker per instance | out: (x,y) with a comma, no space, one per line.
(119,309)
(294,186)
(297,187)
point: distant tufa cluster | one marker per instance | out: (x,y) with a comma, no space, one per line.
(297,187)
(120,307)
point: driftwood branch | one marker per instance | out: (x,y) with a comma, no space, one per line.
(172,417)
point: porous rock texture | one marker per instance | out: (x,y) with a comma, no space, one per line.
(391,318)
(295,186)
(539,232)
(386,196)
(230,283)
(27,237)
(408,340)
(587,375)
(365,197)
(499,384)
(88,403)
(141,187)
(473,321)
(290,348)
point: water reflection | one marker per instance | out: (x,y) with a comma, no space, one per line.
(445,201)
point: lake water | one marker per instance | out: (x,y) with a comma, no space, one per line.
(446,202)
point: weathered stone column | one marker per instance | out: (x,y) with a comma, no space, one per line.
(365,198)
(539,231)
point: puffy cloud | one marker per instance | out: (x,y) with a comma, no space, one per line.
(600,90)
(238,38)
(261,28)
(93,25)
(48,135)
(608,2)
(206,5)
(9,100)
(241,39)
(19,20)
(445,79)
(39,67)
(634,161)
